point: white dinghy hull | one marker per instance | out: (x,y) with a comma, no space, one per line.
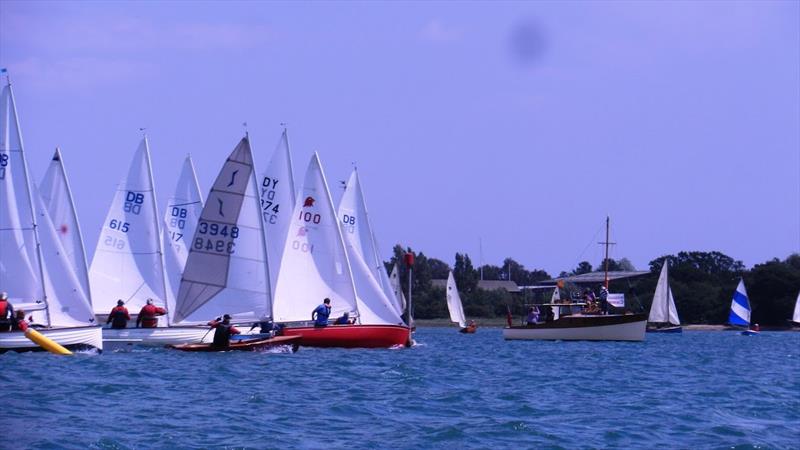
(73,338)
(583,328)
(121,339)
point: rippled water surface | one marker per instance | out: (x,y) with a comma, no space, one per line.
(699,389)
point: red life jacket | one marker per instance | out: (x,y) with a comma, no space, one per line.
(148,315)
(3,309)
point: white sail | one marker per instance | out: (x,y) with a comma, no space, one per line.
(278,197)
(128,261)
(555,298)
(375,306)
(454,302)
(400,297)
(180,221)
(663,310)
(57,197)
(20,272)
(34,267)
(314,264)
(227,270)
(67,303)
(796,315)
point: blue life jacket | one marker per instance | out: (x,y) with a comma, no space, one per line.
(322,312)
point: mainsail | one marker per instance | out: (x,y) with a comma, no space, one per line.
(796,315)
(375,305)
(34,267)
(397,290)
(57,197)
(740,306)
(227,270)
(454,302)
(314,264)
(277,194)
(663,310)
(128,262)
(180,220)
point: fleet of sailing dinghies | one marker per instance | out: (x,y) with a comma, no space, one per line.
(180,220)
(277,193)
(316,264)
(740,309)
(663,314)
(36,270)
(227,270)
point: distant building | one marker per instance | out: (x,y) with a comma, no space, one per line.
(486,285)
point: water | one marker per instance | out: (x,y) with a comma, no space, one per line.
(699,389)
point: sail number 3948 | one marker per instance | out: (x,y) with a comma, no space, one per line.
(213,237)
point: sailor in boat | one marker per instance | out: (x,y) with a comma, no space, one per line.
(533,315)
(344,320)
(321,313)
(223,329)
(148,315)
(119,316)
(20,323)
(6,312)
(603,300)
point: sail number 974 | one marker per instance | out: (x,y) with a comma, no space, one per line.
(216,238)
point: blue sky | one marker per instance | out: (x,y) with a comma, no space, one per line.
(522,124)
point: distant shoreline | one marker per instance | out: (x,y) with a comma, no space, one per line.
(500,322)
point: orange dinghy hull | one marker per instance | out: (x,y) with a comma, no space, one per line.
(468,330)
(351,336)
(243,345)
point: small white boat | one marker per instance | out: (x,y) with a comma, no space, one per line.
(663,316)
(35,269)
(455,306)
(740,311)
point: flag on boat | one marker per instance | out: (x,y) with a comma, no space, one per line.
(740,306)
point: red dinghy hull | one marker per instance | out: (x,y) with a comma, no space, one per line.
(351,336)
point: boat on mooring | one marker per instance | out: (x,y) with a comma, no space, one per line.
(583,327)
(663,316)
(740,311)
(36,270)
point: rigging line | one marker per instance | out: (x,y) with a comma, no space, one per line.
(580,255)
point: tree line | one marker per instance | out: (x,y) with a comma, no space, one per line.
(702,284)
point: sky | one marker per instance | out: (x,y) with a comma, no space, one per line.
(497,129)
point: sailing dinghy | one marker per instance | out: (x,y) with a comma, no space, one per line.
(318,264)
(663,314)
(248,345)
(227,270)
(740,311)
(128,263)
(35,269)
(456,308)
(796,314)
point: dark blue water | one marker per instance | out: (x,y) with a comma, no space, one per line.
(699,389)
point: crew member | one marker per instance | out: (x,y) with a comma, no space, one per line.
(20,324)
(148,316)
(6,312)
(344,320)
(119,317)
(321,313)
(603,300)
(222,331)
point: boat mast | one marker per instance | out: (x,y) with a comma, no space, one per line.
(77,224)
(39,256)
(606,258)
(257,196)
(157,219)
